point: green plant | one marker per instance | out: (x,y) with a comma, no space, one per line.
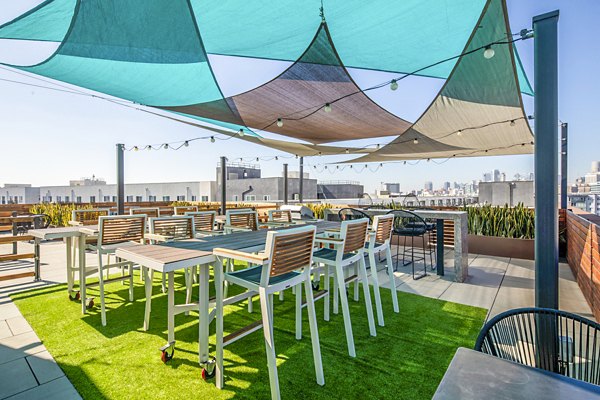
(59,214)
(503,221)
(318,209)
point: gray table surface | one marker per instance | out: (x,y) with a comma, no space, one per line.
(474,375)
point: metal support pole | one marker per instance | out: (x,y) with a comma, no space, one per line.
(546,160)
(223,185)
(120,180)
(564,132)
(301,194)
(285,183)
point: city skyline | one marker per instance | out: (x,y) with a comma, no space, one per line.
(82,131)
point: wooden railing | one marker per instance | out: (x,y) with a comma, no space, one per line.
(583,254)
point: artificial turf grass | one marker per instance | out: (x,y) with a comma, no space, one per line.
(407,359)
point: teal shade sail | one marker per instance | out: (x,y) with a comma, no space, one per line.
(401,36)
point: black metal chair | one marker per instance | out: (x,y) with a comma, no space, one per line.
(409,225)
(430,226)
(347,213)
(544,338)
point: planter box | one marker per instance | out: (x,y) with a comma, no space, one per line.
(501,247)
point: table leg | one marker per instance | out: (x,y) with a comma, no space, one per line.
(170,307)
(69,244)
(439,241)
(36,259)
(82,288)
(219,322)
(148,287)
(203,314)
(15,232)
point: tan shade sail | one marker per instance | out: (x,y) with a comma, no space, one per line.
(479,110)
(298,97)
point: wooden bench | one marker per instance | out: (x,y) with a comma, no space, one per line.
(17,256)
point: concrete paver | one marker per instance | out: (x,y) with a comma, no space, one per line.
(15,377)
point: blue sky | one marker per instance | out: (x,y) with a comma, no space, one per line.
(50,137)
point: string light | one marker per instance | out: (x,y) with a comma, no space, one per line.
(166,146)
(394,84)
(327,107)
(279,122)
(459,133)
(135,148)
(212,140)
(512,122)
(187,143)
(415,141)
(489,52)
(347,151)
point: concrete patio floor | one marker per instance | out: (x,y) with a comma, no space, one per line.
(28,371)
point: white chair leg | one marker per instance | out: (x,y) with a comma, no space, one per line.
(281,296)
(299,311)
(356,282)
(336,293)
(189,280)
(250,305)
(339,277)
(367,293)
(390,268)
(228,268)
(265,308)
(130,270)
(326,285)
(314,331)
(375,278)
(219,324)
(101,289)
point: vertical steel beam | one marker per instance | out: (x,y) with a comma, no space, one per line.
(564,133)
(301,194)
(223,185)
(285,183)
(120,179)
(546,160)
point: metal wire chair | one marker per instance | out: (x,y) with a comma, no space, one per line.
(543,338)
(347,214)
(409,225)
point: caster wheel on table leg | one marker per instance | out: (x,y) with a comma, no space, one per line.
(167,352)
(75,297)
(209,370)
(90,304)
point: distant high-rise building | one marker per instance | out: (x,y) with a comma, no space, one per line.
(502,177)
(391,187)
(495,175)
(446,185)
(487,177)
(428,186)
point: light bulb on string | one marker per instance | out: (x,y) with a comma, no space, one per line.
(394,84)
(459,132)
(377,146)
(488,52)
(347,151)
(276,158)
(404,162)
(241,132)
(135,148)
(212,139)
(186,143)
(512,122)
(166,146)
(327,107)
(279,122)
(148,147)
(415,141)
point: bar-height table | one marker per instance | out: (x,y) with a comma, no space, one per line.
(171,256)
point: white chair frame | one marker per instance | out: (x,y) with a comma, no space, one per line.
(265,292)
(338,265)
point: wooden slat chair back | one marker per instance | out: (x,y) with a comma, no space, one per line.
(242,219)
(175,228)
(167,211)
(120,229)
(354,233)
(182,210)
(89,216)
(280,216)
(203,220)
(382,226)
(150,212)
(290,251)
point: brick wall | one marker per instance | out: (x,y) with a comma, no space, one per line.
(583,254)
